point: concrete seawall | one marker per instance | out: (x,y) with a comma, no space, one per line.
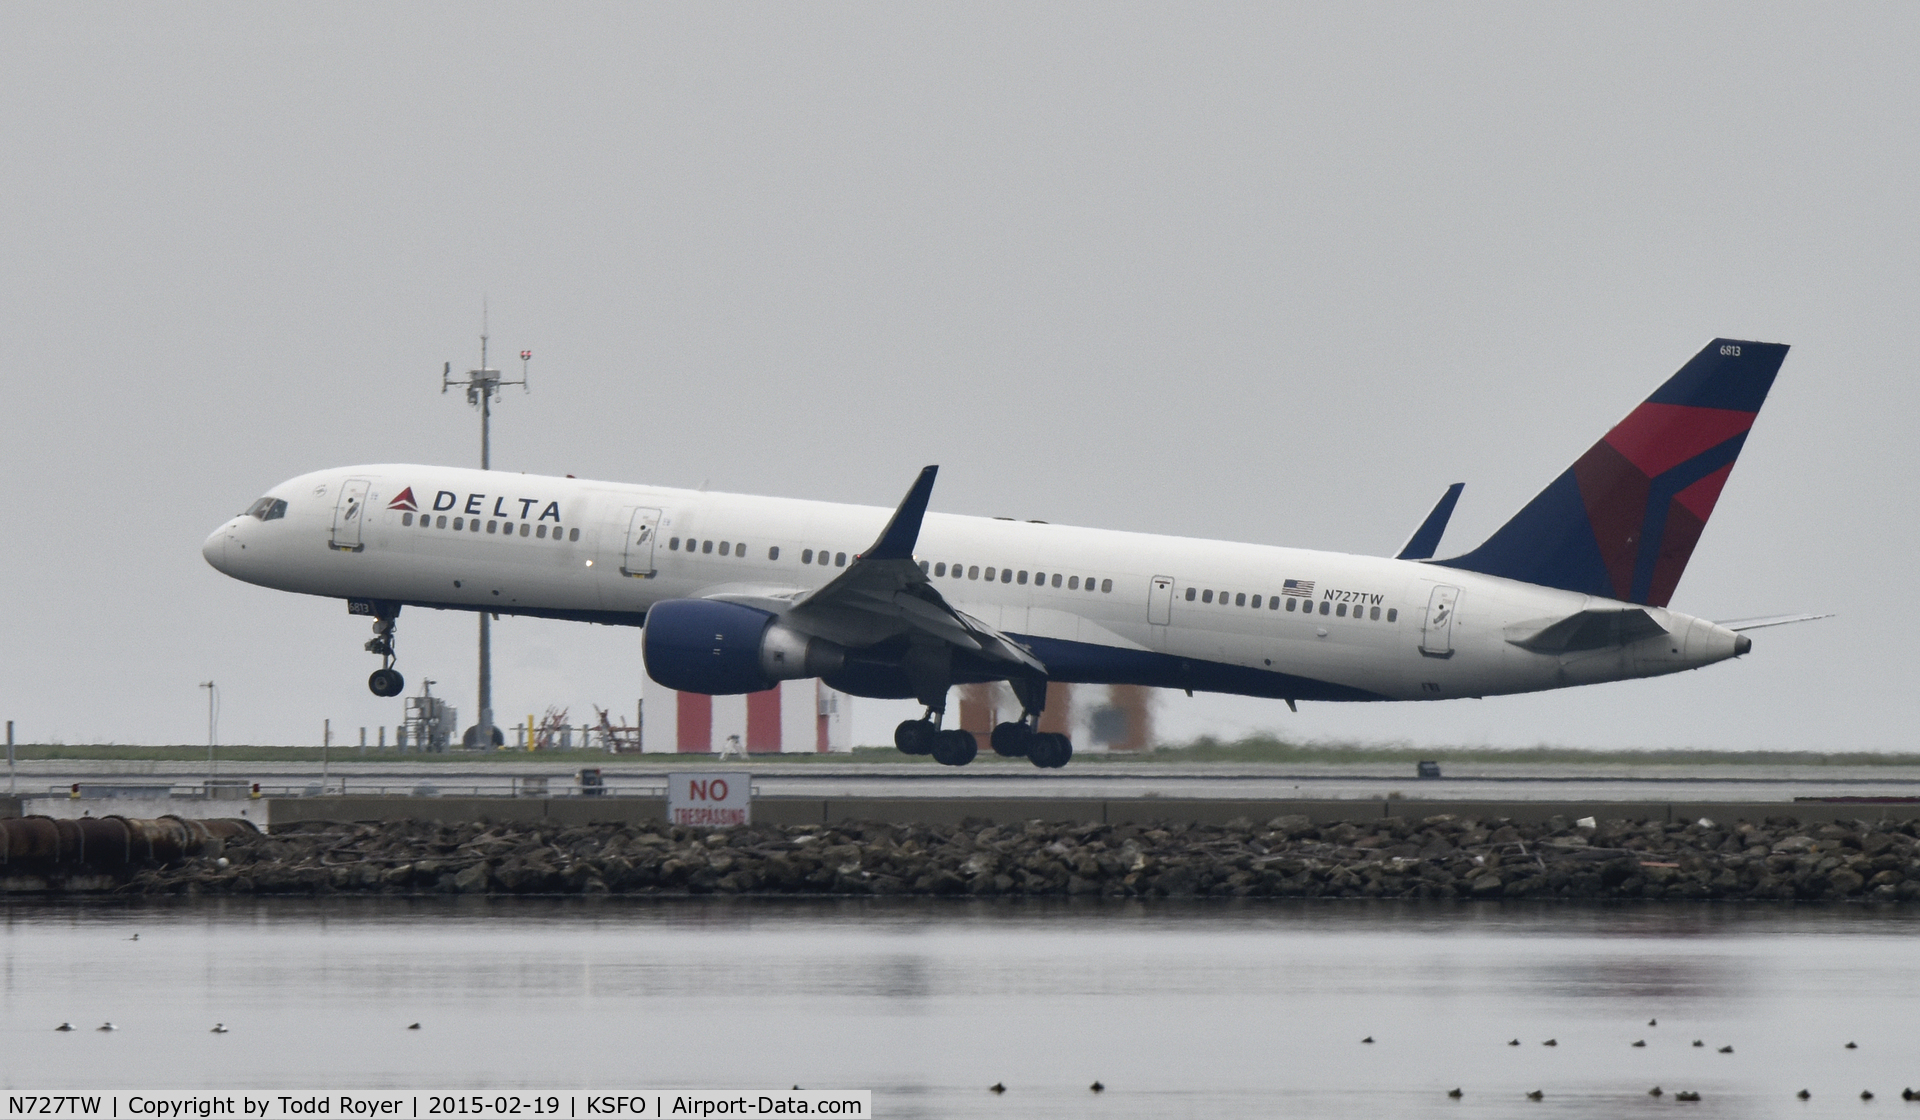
(567,811)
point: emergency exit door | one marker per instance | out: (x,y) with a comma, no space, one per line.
(1437,639)
(642,526)
(1160,601)
(349,514)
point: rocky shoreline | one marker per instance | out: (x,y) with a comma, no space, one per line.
(1440,857)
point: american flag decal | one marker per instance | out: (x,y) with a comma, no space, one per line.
(1300,587)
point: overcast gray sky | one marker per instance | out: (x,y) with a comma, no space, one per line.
(1262,272)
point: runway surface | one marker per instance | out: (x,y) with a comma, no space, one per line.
(1004,778)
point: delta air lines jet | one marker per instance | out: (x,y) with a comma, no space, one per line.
(736,592)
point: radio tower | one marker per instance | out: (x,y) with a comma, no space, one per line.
(483,388)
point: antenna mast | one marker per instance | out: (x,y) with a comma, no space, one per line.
(483,388)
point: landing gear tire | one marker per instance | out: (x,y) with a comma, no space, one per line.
(915,736)
(955,748)
(386,682)
(1012,740)
(1050,750)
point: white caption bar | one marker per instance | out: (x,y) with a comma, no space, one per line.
(309,1104)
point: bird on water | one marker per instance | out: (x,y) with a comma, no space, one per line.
(64,1027)
(218,1028)
(1097,1087)
(1536,1095)
(106,1027)
(996,1087)
(1456,1094)
(1642,1042)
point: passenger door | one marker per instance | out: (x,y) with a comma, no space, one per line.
(349,514)
(1436,640)
(1160,601)
(642,526)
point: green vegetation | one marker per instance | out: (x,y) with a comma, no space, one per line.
(1255,749)
(1266,749)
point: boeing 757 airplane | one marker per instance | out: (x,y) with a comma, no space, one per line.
(736,592)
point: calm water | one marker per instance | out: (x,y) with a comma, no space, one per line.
(1181,1010)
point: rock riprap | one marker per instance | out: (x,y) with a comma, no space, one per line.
(1439,857)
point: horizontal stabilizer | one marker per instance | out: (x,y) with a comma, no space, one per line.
(1739,624)
(1598,629)
(1426,538)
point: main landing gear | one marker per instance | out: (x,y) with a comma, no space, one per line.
(1020,739)
(1048,750)
(923,736)
(386,680)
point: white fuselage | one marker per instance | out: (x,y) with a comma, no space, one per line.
(1165,611)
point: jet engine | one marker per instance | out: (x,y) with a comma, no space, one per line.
(716,648)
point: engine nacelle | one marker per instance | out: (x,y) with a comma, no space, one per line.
(716,648)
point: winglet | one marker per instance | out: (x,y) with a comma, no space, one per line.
(898,538)
(1426,538)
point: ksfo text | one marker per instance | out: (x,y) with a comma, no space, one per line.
(434,1105)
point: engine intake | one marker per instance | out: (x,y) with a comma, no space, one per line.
(700,645)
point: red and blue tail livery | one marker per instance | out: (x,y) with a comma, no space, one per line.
(1621,522)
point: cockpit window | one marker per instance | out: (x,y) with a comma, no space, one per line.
(267,509)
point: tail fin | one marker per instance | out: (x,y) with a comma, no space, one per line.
(1621,522)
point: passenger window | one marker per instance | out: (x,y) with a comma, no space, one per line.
(1006,575)
(1256,602)
(1039,579)
(525,528)
(493,526)
(459,523)
(573,535)
(806,556)
(1291,602)
(706,546)
(1073,583)
(1056,579)
(773,553)
(740,551)
(540,532)
(973,572)
(1023,577)
(825,559)
(1192,594)
(441,522)
(940,569)
(1341,611)
(924,569)
(1106,586)
(726,549)
(406,519)
(1325,607)
(1207,596)
(1240,600)
(1373,615)
(1273,602)
(673,545)
(1393,614)
(989,575)
(839,559)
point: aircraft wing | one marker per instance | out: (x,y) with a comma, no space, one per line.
(1426,538)
(883,594)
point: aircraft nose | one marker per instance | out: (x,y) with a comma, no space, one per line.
(215,550)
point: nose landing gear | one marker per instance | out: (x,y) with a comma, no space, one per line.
(386,680)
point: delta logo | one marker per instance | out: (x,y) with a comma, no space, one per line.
(404,501)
